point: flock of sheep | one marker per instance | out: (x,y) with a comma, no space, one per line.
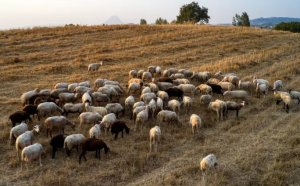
(153,95)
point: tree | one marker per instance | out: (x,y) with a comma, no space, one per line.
(143,22)
(161,21)
(291,26)
(241,20)
(193,13)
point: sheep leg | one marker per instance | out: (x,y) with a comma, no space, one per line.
(40,159)
(53,152)
(287,108)
(122,134)
(150,146)
(47,132)
(237,113)
(116,135)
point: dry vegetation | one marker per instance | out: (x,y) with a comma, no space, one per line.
(259,148)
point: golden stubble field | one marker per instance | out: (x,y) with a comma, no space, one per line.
(259,148)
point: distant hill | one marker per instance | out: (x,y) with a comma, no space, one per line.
(113,20)
(272,21)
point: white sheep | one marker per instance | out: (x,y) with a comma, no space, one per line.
(214,81)
(85,84)
(48,109)
(99,83)
(89,118)
(260,81)
(140,73)
(72,86)
(95,131)
(138,104)
(134,88)
(66,97)
(195,122)
(187,103)
(86,97)
(141,118)
(181,81)
(208,162)
(147,77)
(117,88)
(152,107)
(168,116)
(31,153)
(219,107)
(26,139)
(136,110)
(232,79)
(285,97)
(80,90)
(109,91)
(261,89)
(158,71)
(115,108)
(205,99)
(101,110)
(246,85)
(58,122)
(146,90)
(177,76)
(236,94)
(25,97)
(73,108)
(147,97)
(94,66)
(135,80)
(163,96)
(201,76)
(187,88)
(278,85)
(295,95)
(226,85)
(129,102)
(17,131)
(155,135)
(61,85)
(159,104)
(153,87)
(132,74)
(73,140)
(164,85)
(107,121)
(186,73)
(174,105)
(99,98)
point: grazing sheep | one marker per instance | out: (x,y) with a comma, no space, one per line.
(204,89)
(115,108)
(32,152)
(135,111)
(107,121)
(147,97)
(168,116)
(208,162)
(285,97)
(186,73)
(55,92)
(72,86)
(65,97)
(17,131)
(119,126)
(174,105)
(48,109)
(278,85)
(217,89)
(18,117)
(195,122)
(99,83)
(73,108)
(219,107)
(61,85)
(117,88)
(155,135)
(200,76)
(214,81)
(164,85)
(205,99)
(177,76)
(146,90)
(152,107)
(153,87)
(231,105)
(57,142)
(99,98)
(129,102)
(92,144)
(163,79)
(159,104)
(140,74)
(295,95)
(163,96)
(87,98)
(73,140)
(141,118)
(158,71)
(132,74)
(95,131)
(138,104)
(187,103)
(26,139)
(85,84)
(80,90)
(187,88)
(181,81)
(134,88)
(175,92)
(169,72)
(135,80)
(94,66)
(101,110)
(260,81)
(261,89)
(226,86)
(151,69)
(89,118)
(246,85)
(232,79)
(236,94)
(147,77)
(57,122)
(27,95)
(31,110)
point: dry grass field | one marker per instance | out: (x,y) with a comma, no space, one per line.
(262,147)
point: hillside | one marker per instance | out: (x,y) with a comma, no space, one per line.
(272,21)
(261,147)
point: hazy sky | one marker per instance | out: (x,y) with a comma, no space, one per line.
(27,13)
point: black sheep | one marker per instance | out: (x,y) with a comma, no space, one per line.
(18,117)
(216,88)
(57,142)
(175,92)
(30,109)
(92,144)
(165,79)
(119,126)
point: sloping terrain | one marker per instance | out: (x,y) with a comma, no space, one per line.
(259,148)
